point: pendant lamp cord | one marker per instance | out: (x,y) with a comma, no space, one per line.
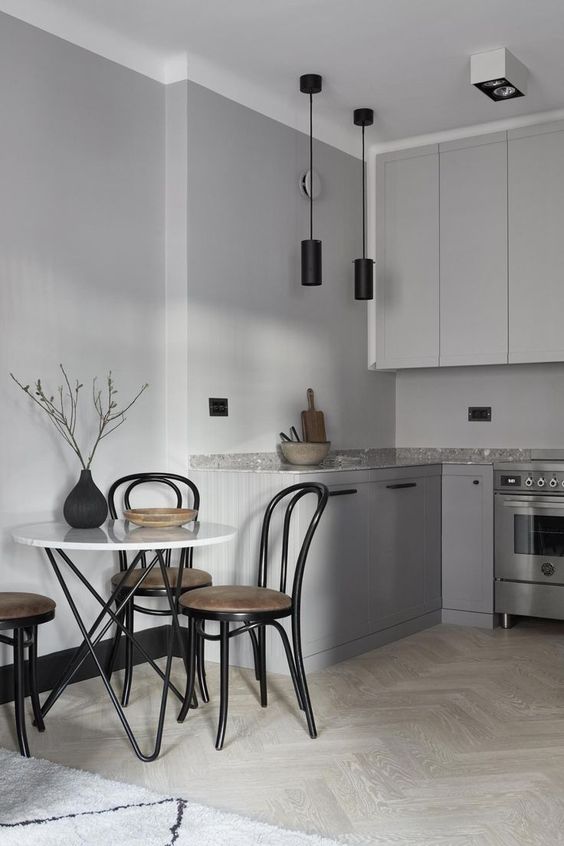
(363,201)
(311,166)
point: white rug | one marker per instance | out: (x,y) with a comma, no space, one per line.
(44,804)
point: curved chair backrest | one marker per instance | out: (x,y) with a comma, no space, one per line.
(186,495)
(296,493)
(170,480)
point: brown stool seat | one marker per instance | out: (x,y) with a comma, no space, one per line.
(16,606)
(236,599)
(191,578)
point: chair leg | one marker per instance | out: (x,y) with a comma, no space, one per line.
(34,692)
(115,646)
(262,666)
(128,678)
(292,666)
(191,678)
(254,642)
(224,683)
(300,672)
(19,692)
(200,644)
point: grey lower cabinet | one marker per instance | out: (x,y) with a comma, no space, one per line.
(373,571)
(335,591)
(405,545)
(467,544)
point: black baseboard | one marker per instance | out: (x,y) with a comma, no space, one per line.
(51,667)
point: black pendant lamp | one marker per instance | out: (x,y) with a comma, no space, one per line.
(363,267)
(310,83)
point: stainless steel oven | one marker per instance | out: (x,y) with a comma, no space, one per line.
(529,540)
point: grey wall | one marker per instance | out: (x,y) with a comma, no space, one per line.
(254,334)
(527,406)
(81,278)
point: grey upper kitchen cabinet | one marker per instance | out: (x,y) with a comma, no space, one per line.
(473,250)
(407,258)
(536,243)
(467,544)
(405,545)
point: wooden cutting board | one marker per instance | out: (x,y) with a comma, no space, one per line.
(313,421)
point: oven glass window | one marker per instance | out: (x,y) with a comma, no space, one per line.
(539,534)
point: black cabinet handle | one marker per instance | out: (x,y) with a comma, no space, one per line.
(343,492)
(402,485)
(476,482)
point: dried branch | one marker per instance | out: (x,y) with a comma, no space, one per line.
(63,415)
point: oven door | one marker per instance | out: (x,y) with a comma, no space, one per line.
(529,538)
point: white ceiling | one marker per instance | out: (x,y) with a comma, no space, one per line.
(408,59)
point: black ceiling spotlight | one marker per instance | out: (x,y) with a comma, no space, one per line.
(363,267)
(310,83)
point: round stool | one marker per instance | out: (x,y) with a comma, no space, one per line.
(23,613)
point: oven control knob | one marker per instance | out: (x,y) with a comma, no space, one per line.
(547,569)
(540,482)
(553,482)
(529,482)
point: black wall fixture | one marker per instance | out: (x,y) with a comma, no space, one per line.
(311,83)
(363,267)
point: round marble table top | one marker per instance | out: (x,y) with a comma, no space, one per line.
(121,535)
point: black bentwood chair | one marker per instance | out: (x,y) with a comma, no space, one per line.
(255,608)
(22,613)
(186,495)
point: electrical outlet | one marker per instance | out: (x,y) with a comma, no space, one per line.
(480,413)
(218,407)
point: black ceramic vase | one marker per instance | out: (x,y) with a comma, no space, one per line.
(85,507)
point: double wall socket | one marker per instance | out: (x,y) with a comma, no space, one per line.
(219,407)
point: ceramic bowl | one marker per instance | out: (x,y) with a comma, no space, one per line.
(305,452)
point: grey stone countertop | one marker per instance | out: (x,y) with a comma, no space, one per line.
(357,459)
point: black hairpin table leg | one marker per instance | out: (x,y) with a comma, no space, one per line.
(90,642)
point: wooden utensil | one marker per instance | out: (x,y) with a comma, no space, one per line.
(313,421)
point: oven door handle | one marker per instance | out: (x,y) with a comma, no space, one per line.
(531,503)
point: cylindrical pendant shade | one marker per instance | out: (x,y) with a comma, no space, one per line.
(363,279)
(311,262)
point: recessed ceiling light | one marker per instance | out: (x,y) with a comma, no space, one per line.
(505,91)
(498,74)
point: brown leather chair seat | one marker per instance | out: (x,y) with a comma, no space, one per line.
(14,606)
(191,578)
(236,599)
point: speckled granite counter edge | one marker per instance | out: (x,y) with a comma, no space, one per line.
(357,459)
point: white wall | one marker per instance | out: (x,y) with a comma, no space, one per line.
(82,280)
(255,335)
(527,406)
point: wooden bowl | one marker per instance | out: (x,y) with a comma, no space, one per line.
(160,518)
(305,452)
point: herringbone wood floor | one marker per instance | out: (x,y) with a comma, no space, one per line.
(451,737)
